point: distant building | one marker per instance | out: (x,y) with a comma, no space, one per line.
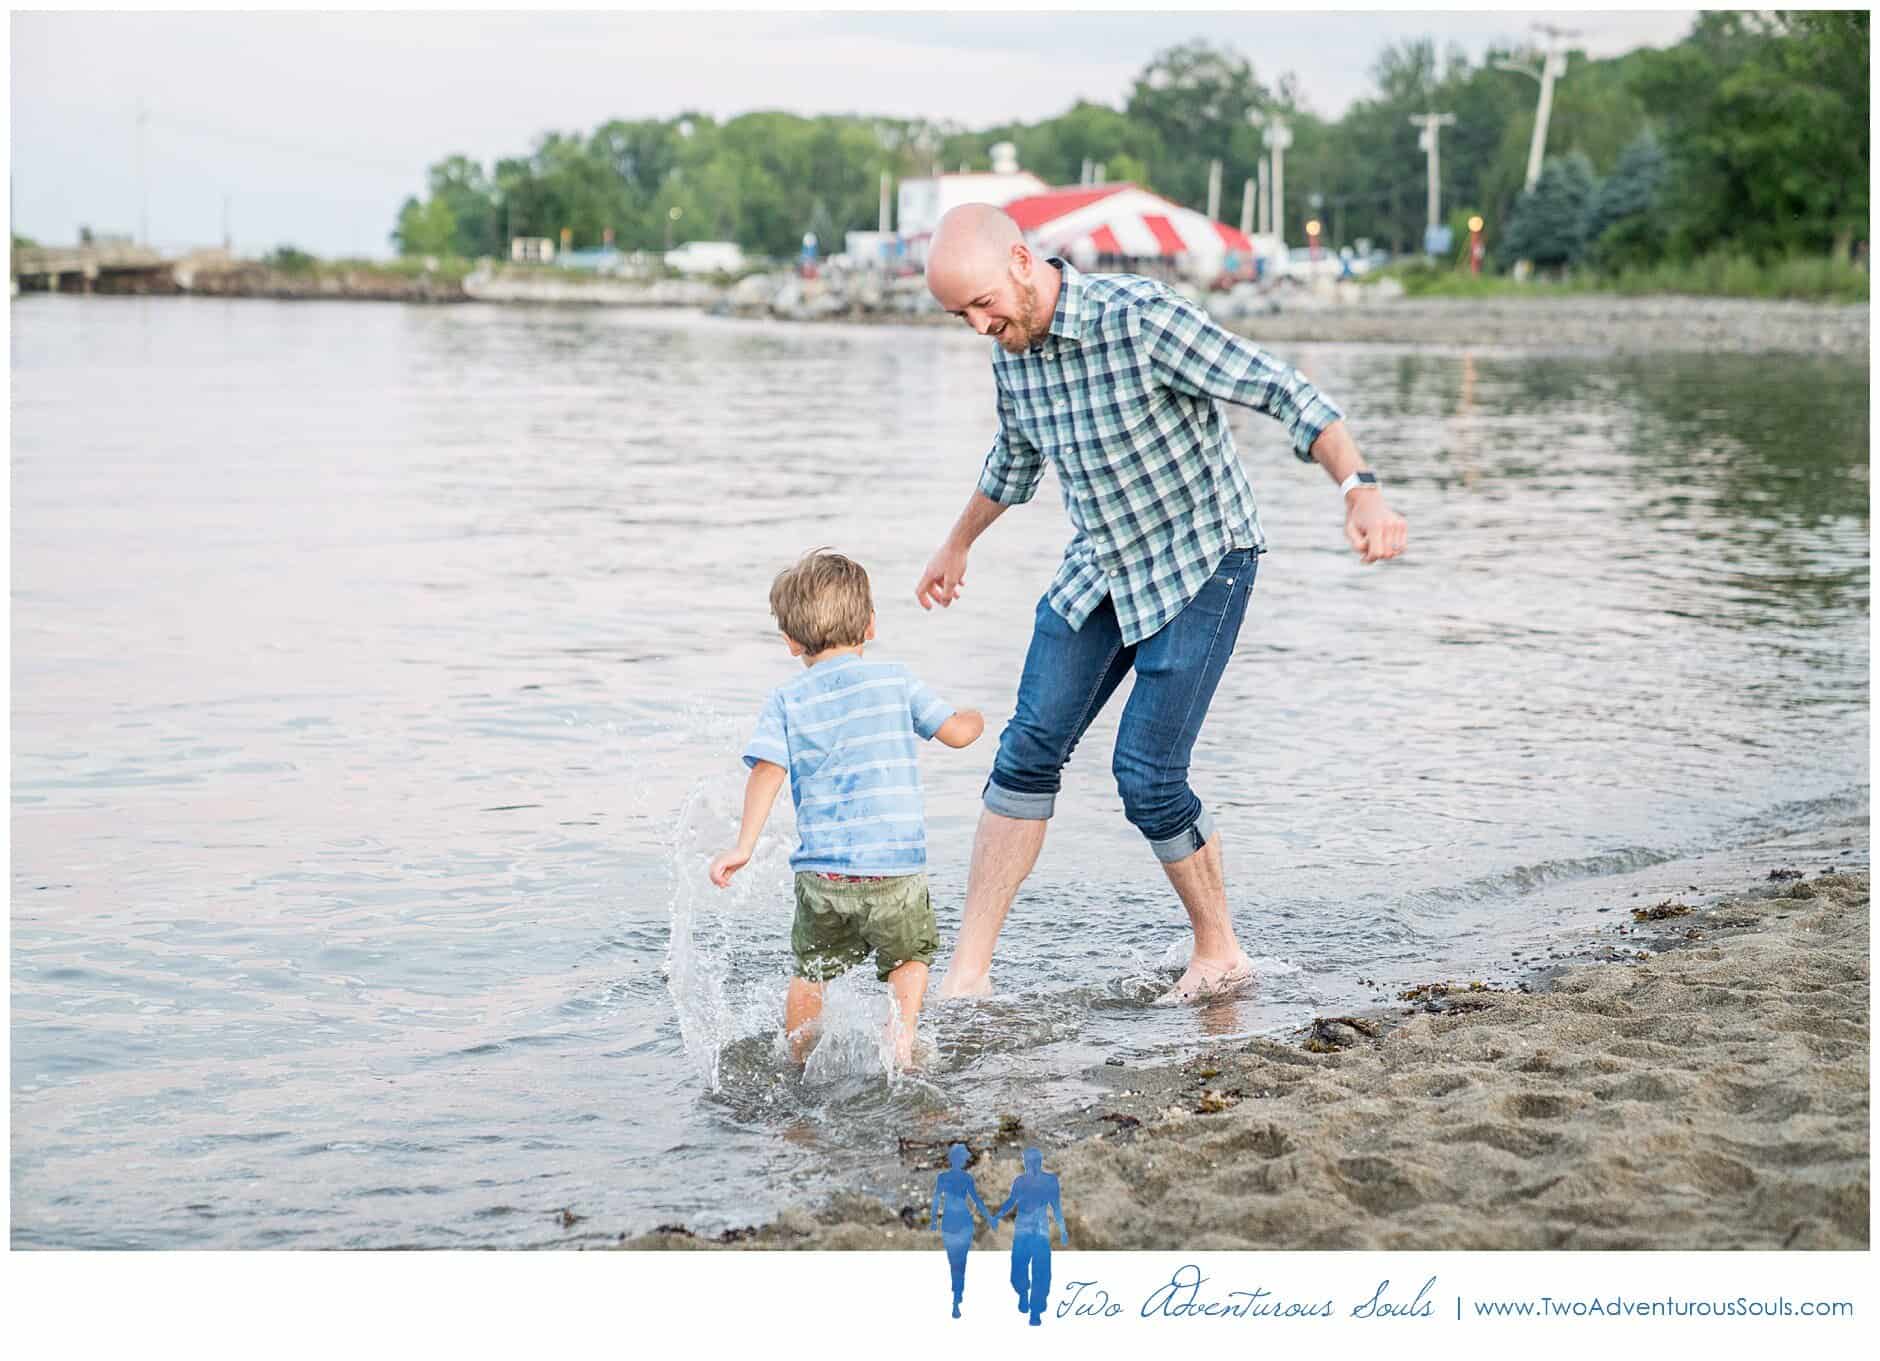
(921,203)
(532,250)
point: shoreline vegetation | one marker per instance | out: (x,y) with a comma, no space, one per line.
(1720,274)
(1699,1081)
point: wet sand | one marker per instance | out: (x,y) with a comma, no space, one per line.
(1705,1085)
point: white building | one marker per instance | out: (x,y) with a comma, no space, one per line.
(922,203)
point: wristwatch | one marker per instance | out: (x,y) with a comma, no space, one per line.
(1358,479)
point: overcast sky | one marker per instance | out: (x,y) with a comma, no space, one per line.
(315,127)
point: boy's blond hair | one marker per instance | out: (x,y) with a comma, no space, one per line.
(822,601)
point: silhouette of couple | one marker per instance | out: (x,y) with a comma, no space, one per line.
(1035,1198)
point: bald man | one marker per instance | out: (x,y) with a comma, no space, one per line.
(1117,380)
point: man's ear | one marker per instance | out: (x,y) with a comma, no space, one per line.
(796,648)
(871,628)
(1022,260)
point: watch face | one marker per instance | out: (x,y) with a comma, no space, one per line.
(1367,479)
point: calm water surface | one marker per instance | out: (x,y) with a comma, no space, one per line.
(379,673)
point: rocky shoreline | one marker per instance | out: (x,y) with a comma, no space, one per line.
(1347,314)
(1700,1082)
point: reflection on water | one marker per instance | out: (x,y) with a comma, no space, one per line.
(379,675)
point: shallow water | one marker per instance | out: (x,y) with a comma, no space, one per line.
(379,673)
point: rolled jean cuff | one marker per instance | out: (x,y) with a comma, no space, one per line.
(1012,804)
(1186,843)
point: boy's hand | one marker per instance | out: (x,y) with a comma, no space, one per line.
(962,729)
(729,864)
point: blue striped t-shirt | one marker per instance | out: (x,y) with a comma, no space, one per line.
(845,731)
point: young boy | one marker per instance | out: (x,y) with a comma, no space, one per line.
(844,735)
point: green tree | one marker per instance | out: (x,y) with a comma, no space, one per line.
(1195,99)
(425,228)
(1764,118)
(464,186)
(1623,224)
(1549,224)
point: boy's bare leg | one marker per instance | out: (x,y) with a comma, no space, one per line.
(802,1009)
(1004,851)
(909,983)
(1218,961)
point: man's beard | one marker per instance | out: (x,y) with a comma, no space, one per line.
(1016,337)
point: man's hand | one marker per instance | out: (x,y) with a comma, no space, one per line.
(943,579)
(729,864)
(1373,528)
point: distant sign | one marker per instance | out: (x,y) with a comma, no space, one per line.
(1436,240)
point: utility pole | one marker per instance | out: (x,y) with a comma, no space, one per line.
(884,203)
(1553,64)
(1266,197)
(1275,136)
(1246,209)
(1427,140)
(143,191)
(1214,191)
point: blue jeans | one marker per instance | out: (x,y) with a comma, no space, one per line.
(1071,673)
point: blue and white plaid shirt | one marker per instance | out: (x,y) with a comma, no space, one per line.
(1121,395)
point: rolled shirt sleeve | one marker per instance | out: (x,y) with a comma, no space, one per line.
(1014,467)
(1189,353)
(927,710)
(769,742)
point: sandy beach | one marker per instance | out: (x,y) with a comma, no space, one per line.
(1703,1083)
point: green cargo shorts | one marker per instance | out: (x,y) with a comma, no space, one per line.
(838,924)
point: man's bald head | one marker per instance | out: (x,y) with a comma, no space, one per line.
(971,241)
(979,268)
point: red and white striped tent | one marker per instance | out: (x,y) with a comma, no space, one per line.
(1127,222)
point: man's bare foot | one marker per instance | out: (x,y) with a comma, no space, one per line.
(1207,979)
(952,987)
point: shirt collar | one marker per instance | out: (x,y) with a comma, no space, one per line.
(1068,319)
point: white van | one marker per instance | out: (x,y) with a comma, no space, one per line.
(706,257)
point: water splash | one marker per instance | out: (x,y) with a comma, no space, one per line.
(711,928)
(728,956)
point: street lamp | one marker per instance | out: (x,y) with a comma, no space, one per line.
(673,214)
(1475,244)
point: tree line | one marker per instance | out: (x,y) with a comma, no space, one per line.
(1750,135)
